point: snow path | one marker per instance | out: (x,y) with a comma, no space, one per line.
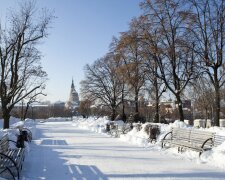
(62,152)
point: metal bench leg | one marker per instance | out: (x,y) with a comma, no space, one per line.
(11,173)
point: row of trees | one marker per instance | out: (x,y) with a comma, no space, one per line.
(175,46)
(21,74)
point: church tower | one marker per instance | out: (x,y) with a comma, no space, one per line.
(73,102)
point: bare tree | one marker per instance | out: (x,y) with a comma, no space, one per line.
(85,108)
(177,60)
(102,83)
(209,31)
(129,48)
(202,93)
(21,73)
(122,76)
(157,86)
(150,53)
(31,98)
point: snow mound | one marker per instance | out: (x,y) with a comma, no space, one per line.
(179,124)
(92,123)
(215,157)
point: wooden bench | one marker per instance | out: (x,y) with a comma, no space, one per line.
(193,139)
(11,160)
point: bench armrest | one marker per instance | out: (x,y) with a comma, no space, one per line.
(11,141)
(202,147)
(164,138)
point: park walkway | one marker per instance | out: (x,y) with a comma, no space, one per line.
(62,152)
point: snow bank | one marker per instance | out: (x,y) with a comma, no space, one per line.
(54,119)
(92,123)
(136,137)
(14,130)
(215,157)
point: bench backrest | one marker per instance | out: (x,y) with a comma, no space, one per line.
(199,138)
(4,143)
(192,135)
(181,134)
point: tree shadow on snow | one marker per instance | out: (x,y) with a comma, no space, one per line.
(45,162)
(53,142)
(81,172)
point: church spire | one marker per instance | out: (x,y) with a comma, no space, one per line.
(73,102)
(72,85)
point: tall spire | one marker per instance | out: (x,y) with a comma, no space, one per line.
(73,98)
(72,85)
(73,102)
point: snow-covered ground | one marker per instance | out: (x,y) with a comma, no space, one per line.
(215,157)
(80,149)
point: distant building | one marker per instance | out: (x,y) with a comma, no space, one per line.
(58,104)
(73,102)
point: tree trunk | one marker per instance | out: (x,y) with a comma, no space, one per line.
(113,107)
(113,115)
(180,108)
(123,113)
(156,120)
(136,102)
(156,111)
(123,106)
(217,97)
(6,117)
(217,101)
(25,112)
(206,113)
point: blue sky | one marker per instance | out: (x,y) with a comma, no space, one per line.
(80,34)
